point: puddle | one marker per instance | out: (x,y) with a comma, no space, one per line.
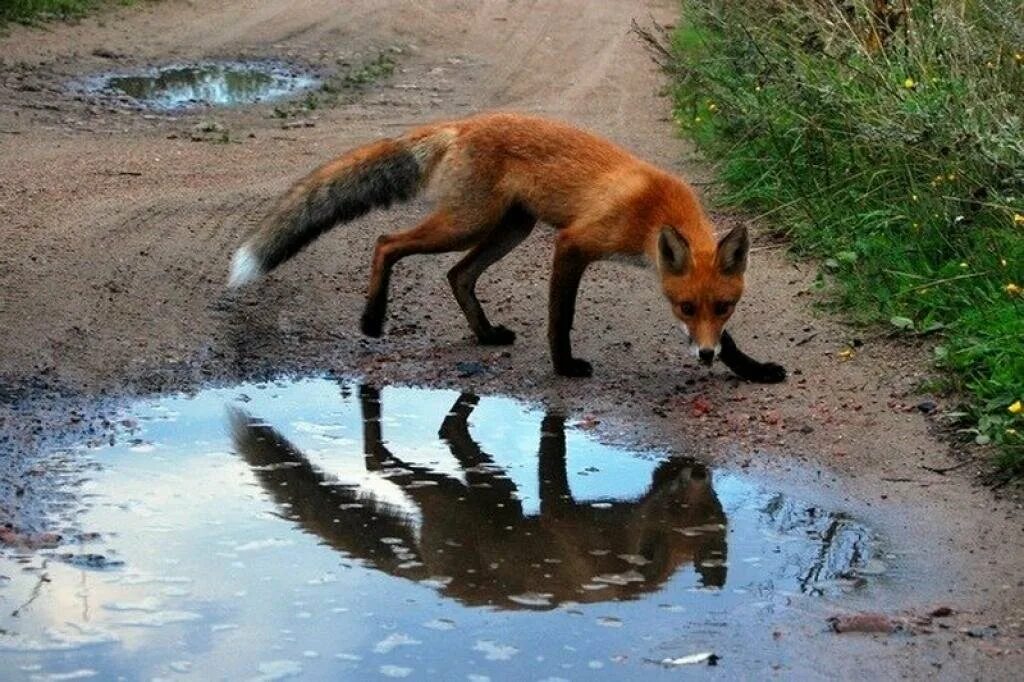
(205,84)
(333,530)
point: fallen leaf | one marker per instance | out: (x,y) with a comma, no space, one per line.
(704,657)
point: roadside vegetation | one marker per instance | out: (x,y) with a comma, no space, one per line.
(32,11)
(345,84)
(886,138)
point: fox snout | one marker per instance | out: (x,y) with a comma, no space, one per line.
(706,350)
(704,346)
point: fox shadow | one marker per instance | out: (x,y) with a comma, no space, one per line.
(474,533)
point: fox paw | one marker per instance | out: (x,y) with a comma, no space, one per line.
(498,336)
(574,367)
(372,324)
(768,373)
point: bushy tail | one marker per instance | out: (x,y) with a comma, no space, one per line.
(363,179)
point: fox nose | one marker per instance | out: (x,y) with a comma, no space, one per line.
(706,356)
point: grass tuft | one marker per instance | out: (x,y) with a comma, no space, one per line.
(344,85)
(886,138)
(34,11)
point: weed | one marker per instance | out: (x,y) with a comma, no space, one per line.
(342,86)
(33,11)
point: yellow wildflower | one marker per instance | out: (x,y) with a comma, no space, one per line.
(712,107)
(1013,289)
(1018,219)
(909,83)
(1015,408)
(964,265)
(696,119)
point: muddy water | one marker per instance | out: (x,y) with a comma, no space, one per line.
(338,531)
(217,84)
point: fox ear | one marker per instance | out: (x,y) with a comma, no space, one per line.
(673,252)
(733,250)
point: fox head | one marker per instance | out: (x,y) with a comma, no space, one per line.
(703,286)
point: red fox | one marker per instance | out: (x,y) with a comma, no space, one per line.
(494,176)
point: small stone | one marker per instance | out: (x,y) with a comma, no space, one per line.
(104,53)
(467,369)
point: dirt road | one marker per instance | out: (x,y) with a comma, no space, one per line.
(117,229)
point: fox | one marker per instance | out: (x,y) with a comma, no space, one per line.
(493,177)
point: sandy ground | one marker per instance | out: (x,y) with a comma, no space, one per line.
(117,229)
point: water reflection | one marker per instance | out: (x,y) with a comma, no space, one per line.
(841,544)
(212,83)
(324,541)
(475,532)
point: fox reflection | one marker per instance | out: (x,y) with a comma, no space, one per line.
(475,534)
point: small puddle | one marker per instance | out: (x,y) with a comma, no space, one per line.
(335,530)
(205,84)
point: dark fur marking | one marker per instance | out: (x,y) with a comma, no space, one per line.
(376,183)
(748,368)
(565,284)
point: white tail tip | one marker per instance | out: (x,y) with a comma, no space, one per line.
(245,267)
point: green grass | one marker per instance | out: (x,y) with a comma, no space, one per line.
(344,85)
(29,11)
(36,11)
(891,146)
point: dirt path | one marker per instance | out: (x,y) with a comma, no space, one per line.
(117,230)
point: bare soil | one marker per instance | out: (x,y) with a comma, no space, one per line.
(117,228)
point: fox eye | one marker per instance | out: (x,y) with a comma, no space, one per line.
(687,309)
(723,307)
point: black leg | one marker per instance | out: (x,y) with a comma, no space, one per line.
(511,230)
(565,284)
(555,494)
(489,484)
(748,368)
